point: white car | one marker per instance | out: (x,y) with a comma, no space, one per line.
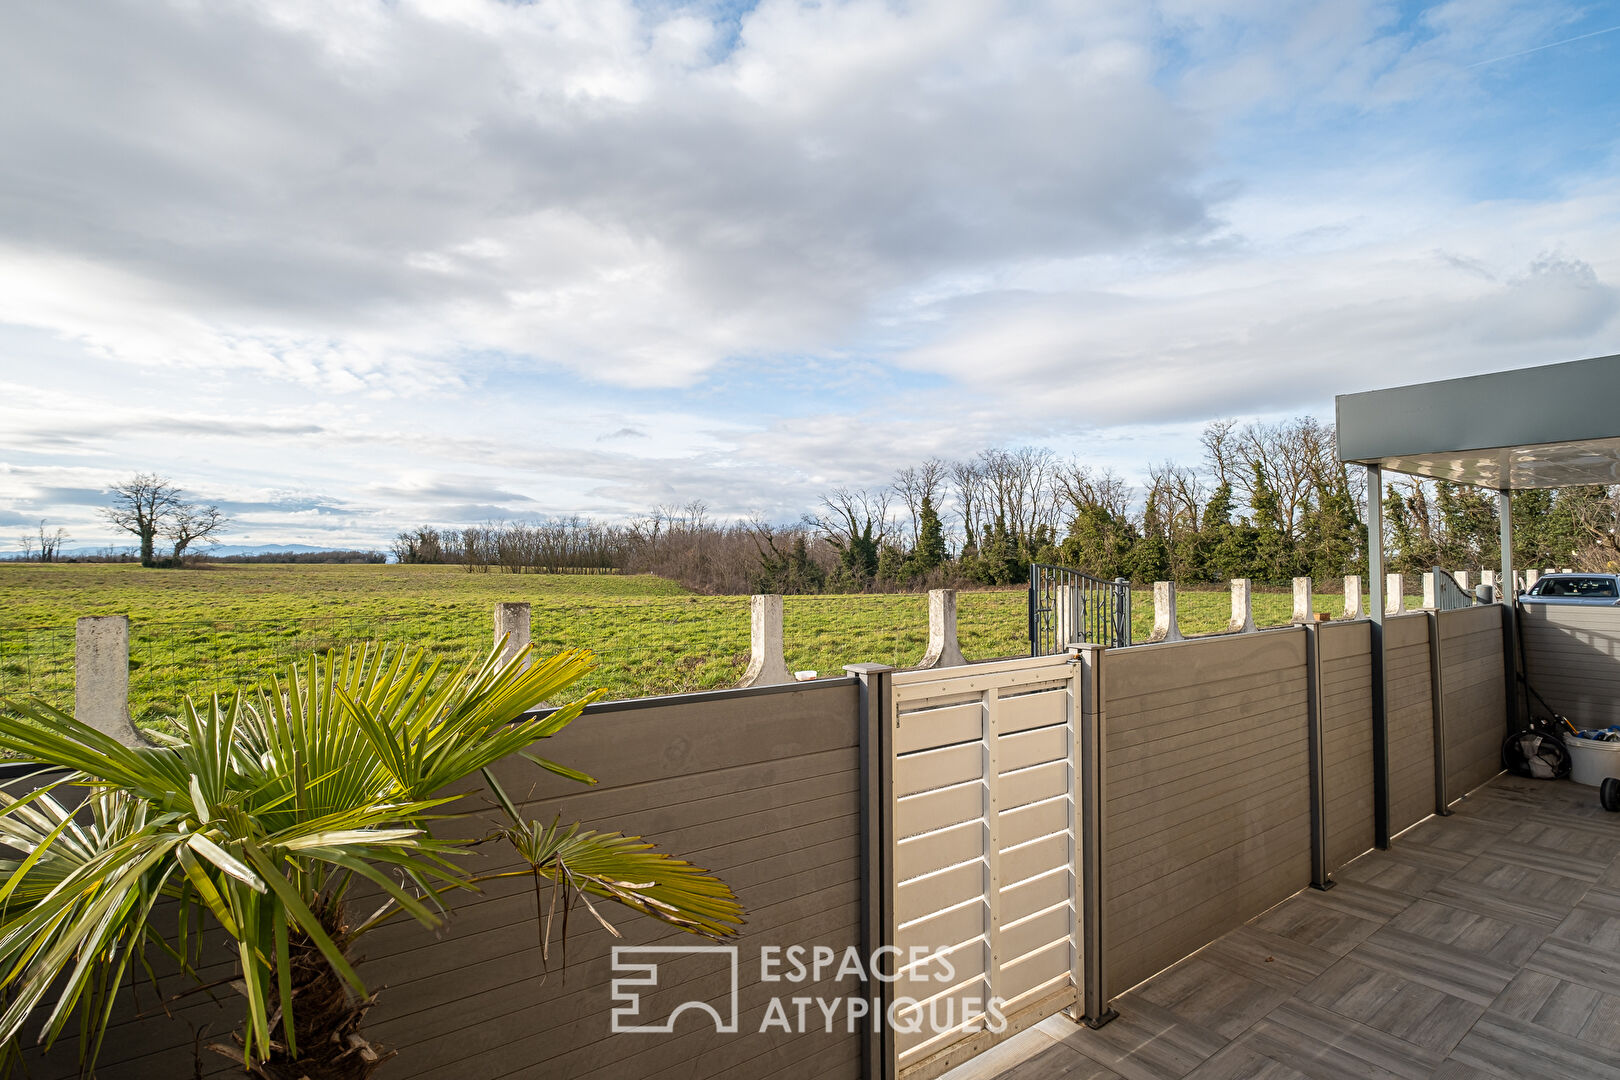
(1602,589)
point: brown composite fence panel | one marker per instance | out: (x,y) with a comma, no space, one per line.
(1410,697)
(1475,707)
(1572,658)
(1207,793)
(760,786)
(1347,744)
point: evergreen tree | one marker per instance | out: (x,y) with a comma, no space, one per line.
(891,565)
(1535,530)
(1218,511)
(1334,540)
(804,575)
(1273,547)
(1469,535)
(1098,543)
(858,558)
(1408,552)
(998,561)
(930,552)
(1148,560)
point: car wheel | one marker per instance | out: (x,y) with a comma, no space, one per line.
(1609,794)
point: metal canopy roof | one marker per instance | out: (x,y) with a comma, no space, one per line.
(1534,427)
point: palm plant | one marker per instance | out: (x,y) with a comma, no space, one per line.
(261,817)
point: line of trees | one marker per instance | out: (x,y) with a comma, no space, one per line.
(1266,501)
(42,546)
(345,556)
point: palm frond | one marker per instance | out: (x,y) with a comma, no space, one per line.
(264,810)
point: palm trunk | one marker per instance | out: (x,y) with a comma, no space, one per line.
(326,1019)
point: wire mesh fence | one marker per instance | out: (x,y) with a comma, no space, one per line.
(643,648)
(37,660)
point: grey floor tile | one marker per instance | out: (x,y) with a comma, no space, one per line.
(1269,958)
(1446,968)
(1212,996)
(1410,868)
(1330,922)
(1509,1047)
(1579,963)
(1410,1011)
(1509,891)
(1033,1055)
(1322,1044)
(1147,1042)
(1239,1062)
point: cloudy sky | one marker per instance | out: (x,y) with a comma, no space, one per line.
(348,267)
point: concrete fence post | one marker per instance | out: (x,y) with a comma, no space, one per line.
(1431,601)
(1353,608)
(1488,577)
(1531,577)
(1166,624)
(1242,621)
(1070,622)
(766,666)
(1465,580)
(1395,591)
(943,649)
(1303,601)
(101,677)
(1566,570)
(512,624)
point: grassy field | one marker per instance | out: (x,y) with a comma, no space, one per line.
(218,627)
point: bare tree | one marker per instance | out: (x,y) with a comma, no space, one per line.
(1083,487)
(143,504)
(1219,439)
(914,483)
(969,480)
(50,544)
(191,523)
(149,506)
(908,485)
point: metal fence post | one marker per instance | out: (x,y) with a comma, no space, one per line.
(1091,782)
(1320,878)
(1380,704)
(1122,615)
(1437,697)
(876,733)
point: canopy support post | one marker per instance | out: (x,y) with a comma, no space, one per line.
(1380,711)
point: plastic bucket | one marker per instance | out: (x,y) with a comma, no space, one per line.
(1591,761)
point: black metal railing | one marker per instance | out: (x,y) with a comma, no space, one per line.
(1448,595)
(1066,606)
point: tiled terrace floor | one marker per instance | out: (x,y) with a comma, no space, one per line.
(1484,944)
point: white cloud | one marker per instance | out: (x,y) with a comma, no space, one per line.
(366,263)
(348,193)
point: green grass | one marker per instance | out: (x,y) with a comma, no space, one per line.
(216,628)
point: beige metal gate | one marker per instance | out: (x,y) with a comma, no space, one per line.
(986,865)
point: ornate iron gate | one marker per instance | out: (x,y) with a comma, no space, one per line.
(1066,606)
(1448,595)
